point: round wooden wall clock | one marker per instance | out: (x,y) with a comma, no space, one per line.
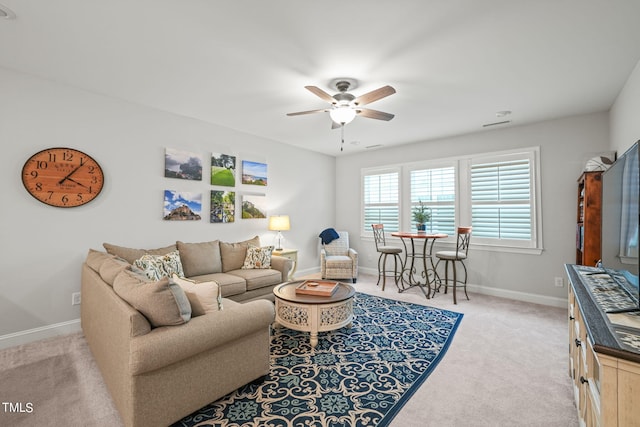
(62,177)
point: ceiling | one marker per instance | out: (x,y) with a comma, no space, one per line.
(244,64)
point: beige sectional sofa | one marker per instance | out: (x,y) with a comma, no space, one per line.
(160,360)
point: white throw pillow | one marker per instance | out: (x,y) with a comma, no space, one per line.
(204,297)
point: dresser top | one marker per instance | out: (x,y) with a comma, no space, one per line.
(597,292)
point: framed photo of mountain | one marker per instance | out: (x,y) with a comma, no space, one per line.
(254,206)
(182,206)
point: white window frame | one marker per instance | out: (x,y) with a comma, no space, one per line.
(368,232)
(463,205)
(534,245)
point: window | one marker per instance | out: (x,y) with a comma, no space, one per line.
(381,200)
(502,200)
(496,193)
(436,189)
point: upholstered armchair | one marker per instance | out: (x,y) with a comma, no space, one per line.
(338,260)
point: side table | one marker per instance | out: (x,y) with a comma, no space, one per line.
(292,254)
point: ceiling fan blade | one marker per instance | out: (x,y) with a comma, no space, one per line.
(320,93)
(374,114)
(374,95)
(299,113)
(335,125)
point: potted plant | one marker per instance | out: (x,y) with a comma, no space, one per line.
(421,215)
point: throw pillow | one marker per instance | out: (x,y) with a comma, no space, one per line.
(131,254)
(233,254)
(200,258)
(158,266)
(161,302)
(204,297)
(258,257)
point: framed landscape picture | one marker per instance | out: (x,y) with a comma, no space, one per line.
(223,170)
(254,207)
(182,206)
(254,173)
(182,165)
(223,206)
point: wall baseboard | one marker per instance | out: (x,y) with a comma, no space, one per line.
(35,334)
(504,293)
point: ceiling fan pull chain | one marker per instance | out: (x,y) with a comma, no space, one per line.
(342,137)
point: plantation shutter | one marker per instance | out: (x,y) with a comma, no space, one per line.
(501,199)
(435,188)
(381,201)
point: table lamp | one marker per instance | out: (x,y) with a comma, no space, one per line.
(279,223)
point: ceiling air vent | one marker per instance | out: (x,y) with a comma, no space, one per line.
(496,123)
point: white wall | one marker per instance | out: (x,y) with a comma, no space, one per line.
(45,246)
(565,146)
(625,114)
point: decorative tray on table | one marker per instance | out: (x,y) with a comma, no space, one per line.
(317,287)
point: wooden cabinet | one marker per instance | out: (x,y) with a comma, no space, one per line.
(605,374)
(589,218)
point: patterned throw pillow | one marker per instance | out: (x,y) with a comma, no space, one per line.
(158,266)
(258,257)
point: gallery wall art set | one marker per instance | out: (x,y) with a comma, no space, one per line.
(187,205)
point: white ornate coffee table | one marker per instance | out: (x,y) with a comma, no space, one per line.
(312,313)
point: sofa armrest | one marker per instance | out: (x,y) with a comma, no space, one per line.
(283,265)
(170,344)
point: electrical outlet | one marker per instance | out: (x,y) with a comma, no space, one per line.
(559,282)
(75,298)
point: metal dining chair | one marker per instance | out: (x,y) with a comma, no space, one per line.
(385,251)
(454,257)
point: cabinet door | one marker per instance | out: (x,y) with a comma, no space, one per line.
(628,394)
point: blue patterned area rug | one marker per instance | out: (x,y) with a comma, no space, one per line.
(358,376)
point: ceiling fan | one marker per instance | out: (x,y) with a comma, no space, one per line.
(345,106)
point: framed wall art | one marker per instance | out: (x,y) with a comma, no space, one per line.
(254,173)
(182,165)
(254,206)
(223,170)
(223,206)
(182,206)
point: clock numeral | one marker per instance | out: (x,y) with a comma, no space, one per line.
(52,157)
(92,169)
(50,195)
(34,174)
(41,164)
(64,199)
(67,156)
(39,186)
(79,196)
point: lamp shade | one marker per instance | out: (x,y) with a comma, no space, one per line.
(279,223)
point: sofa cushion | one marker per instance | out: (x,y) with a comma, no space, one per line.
(204,297)
(131,254)
(230,284)
(258,257)
(200,258)
(258,278)
(233,254)
(161,302)
(158,266)
(111,267)
(96,258)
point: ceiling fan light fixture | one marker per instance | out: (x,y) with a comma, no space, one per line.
(342,114)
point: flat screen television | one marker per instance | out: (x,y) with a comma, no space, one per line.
(620,223)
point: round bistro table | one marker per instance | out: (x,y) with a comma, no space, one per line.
(313,313)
